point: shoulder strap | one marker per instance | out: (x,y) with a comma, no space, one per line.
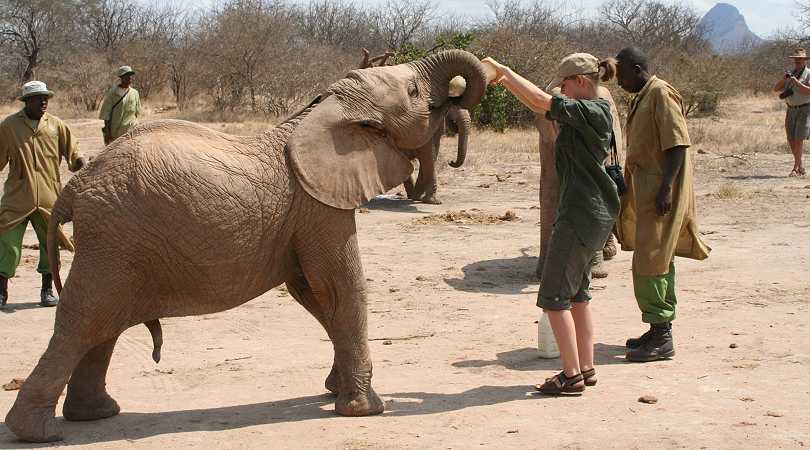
(119,101)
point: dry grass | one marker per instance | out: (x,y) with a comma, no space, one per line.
(746,125)
(730,191)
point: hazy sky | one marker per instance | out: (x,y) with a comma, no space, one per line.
(763,16)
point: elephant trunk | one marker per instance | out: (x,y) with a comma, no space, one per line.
(461,117)
(442,67)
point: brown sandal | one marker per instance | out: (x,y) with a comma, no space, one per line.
(589,377)
(561,384)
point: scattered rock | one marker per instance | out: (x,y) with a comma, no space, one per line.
(502,178)
(509,216)
(421,278)
(484,185)
(362,211)
(14,384)
(393,289)
(511,431)
(746,399)
(732,345)
(387,343)
(648,399)
(701,152)
(774,414)
(745,423)
(521,183)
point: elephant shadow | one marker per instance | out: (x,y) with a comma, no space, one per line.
(498,276)
(393,203)
(135,426)
(526,359)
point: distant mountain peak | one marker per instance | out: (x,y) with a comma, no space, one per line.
(726,30)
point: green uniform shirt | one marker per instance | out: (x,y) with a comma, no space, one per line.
(125,114)
(588,198)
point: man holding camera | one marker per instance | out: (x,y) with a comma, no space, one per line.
(794,88)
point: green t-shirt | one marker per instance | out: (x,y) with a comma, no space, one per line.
(588,199)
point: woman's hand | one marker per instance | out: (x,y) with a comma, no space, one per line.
(497,67)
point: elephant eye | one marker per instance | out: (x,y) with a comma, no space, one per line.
(413,89)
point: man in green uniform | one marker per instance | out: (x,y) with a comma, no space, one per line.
(657,219)
(32,144)
(121,106)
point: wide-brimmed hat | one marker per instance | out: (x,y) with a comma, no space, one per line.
(575,64)
(799,53)
(34,88)
(124,70)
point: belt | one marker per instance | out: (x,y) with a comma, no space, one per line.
(798,106)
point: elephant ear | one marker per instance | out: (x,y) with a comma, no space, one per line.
(341,162)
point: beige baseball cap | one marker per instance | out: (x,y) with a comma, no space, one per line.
(575,64)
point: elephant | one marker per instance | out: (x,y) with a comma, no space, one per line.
(424,187)
(175,219)
(550,184)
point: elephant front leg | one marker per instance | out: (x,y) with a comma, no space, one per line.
(87,397)
(334,275)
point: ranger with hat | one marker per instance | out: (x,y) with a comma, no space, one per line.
(794,88)
(121,106)
(587,209)
(32,144)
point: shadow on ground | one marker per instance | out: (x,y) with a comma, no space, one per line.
(393,203)
(498,276)
(134,426)
(11,308)
(526,359)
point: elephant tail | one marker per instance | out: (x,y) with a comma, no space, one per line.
(157,337)
(62,213)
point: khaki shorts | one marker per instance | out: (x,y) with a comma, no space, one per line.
(797,123)
(567,271)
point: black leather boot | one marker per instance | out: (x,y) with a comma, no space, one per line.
(658,346)
(3,291)
(636,342)
(46,296)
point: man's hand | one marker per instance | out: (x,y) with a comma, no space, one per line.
(663,200)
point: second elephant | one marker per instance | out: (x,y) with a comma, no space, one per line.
(426,185)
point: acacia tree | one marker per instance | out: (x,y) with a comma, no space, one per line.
(30,29)
(653,25)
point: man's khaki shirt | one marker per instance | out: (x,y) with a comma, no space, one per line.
(124,115)
(33,157)
(655,124)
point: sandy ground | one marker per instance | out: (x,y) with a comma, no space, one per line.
(452,322)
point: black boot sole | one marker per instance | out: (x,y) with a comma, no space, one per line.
(651,358)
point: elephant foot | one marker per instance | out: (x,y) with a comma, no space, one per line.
(332,381)
(599,271)
(610,249)
(359,403)
(90,409)
(431,200)
(33,424)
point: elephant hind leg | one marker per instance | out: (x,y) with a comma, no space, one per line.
(301,291)
(87,397)
(32,417)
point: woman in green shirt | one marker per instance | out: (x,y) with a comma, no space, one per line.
(587,211)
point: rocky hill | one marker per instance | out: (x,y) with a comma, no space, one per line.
(726,30)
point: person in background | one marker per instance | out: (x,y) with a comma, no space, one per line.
(794,88)
(121,106)
(33,143)
(657,220)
